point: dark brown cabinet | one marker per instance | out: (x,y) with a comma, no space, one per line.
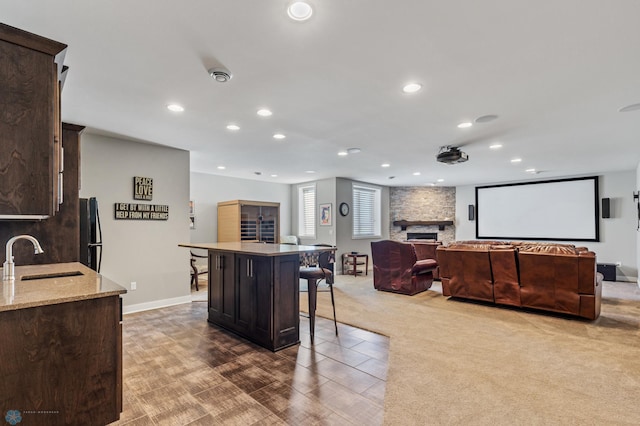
(222,288)
(31,74)
(62,363)
(255,296)
(58,235)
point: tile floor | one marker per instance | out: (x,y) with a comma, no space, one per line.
(180,370)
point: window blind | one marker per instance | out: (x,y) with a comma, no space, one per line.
(307,223)
(364,213)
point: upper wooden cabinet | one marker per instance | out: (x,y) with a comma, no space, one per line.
(31,166)
(241,220)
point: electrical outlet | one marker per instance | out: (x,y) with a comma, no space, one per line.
(618,264)
(134,285)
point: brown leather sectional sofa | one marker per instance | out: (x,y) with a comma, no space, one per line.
(552,277)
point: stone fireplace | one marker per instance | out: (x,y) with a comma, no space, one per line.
(420,203)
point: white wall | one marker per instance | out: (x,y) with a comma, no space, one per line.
(336,191)
(617,242)
(144,251)
(207,190)
(344,238)
(325,194)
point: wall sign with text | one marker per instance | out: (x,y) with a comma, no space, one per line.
(133,211)
(142,188)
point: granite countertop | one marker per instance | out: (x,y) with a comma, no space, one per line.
(29,293)
(258,248)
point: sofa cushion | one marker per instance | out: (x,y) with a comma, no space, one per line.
(506,282)
(549,281)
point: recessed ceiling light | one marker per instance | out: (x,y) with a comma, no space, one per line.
(431,184)
(310,171)
(299,11)
(264,112)
(353,150)
(233,127)
(274,175)
(632,107)
(495,146)
(530,170)
(385,165)
(175,107)
(221,167)
(279,136)
(412,87)
(416,173)
(516,160)
(465,125)
(486,118)
(440,180)
(343,153)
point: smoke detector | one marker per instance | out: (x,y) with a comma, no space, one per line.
(221,75)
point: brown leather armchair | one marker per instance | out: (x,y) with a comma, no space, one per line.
(426,249)
(397,269)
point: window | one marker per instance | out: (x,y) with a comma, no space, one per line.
(367,214)
(307,211)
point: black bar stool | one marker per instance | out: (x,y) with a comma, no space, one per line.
(313,275)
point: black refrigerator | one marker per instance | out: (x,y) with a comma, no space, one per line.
(90,234)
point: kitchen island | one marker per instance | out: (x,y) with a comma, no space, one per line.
(61,351)
(254,290)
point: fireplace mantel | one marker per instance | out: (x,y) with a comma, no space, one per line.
(403,224)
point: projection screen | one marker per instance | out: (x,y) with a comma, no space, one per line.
(564,210)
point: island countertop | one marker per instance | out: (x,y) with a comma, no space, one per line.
(32,287)
(258,248)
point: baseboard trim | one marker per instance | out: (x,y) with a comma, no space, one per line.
(155,304)
(623,278)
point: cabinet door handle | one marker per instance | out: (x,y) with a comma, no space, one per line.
(250,268)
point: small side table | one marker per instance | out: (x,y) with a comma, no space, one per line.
(351,261)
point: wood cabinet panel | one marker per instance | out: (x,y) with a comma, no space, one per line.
(29,117)
(58,235)
(221,287)
(64,360)
(286,294)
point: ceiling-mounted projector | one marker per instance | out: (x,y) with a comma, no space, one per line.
(451,155)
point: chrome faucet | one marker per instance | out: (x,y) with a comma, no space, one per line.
(8,267)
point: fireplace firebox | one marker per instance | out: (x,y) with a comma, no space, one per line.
(422,235)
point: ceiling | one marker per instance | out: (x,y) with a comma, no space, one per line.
(556,73)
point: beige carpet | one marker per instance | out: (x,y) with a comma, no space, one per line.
(453,362)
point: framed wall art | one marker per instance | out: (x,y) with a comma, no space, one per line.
(325,214)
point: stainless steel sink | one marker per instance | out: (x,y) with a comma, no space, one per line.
(51,275)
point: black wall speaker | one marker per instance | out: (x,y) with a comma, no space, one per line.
(472,214)
(606,208)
